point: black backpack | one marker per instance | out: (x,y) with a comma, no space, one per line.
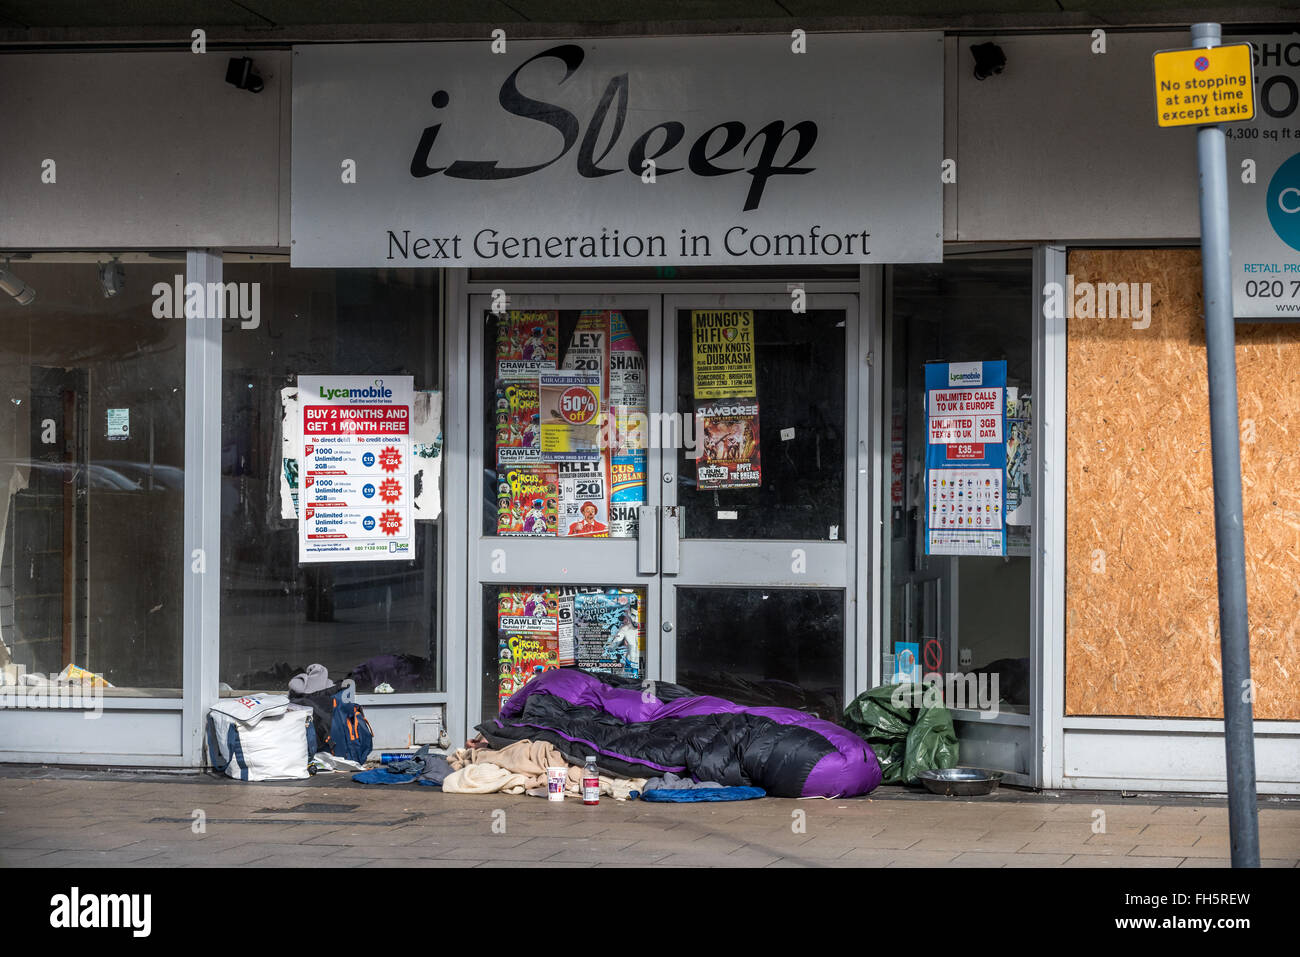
(322,706)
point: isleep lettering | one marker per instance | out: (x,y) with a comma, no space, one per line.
(604,130)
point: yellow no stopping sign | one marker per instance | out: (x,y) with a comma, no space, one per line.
(1204,85)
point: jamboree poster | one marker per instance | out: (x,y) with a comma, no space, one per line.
(356,468)
(729,457)
(966,458)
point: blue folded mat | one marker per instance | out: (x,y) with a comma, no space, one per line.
(382,776)
(691,795)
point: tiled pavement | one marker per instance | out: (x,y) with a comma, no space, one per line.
(53,818)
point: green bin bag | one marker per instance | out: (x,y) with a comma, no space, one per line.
(909,735)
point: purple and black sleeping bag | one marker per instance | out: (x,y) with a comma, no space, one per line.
(787,753)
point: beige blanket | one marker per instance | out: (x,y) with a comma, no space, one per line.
(487,779)
(521,767)
(523,757)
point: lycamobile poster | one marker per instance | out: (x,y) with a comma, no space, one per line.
(356,468)
(966,458)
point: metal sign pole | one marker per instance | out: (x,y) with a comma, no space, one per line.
(1234,634)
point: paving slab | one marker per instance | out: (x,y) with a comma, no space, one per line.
(1121,860)
(80,819)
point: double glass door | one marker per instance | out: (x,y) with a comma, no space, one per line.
(668,493)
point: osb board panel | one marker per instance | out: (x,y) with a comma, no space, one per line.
(1141,590)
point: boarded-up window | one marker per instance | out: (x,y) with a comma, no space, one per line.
(1142,620)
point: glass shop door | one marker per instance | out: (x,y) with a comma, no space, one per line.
(757,555)
(966,617)
(564,569)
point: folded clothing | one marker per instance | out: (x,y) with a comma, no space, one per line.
(436,770)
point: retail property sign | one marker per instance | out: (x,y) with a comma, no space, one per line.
(1264,187)
(356,468)
(646,151)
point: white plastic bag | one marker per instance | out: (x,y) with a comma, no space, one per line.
(258,738)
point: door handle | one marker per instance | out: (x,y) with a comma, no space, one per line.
(672,536)
(647,540)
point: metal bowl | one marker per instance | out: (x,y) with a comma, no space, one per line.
(961,782)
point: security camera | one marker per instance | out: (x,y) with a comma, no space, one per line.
(23,294)
(239,74)
(989,59)
(112,277)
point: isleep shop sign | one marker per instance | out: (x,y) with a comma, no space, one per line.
(1264,187)
(654,151)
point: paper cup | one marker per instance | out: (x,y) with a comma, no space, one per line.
(556,779)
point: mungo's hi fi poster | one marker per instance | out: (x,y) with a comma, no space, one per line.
(356,468)
(729,457)
(966,458)
(723,353)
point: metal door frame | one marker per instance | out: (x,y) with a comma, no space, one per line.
(149,730)
(463,608)
(1007,732)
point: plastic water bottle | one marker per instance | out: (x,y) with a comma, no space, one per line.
(590,782)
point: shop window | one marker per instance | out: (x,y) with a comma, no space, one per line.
(92,444)
(362,618)
(764,647)
(799,446)
(954,610)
